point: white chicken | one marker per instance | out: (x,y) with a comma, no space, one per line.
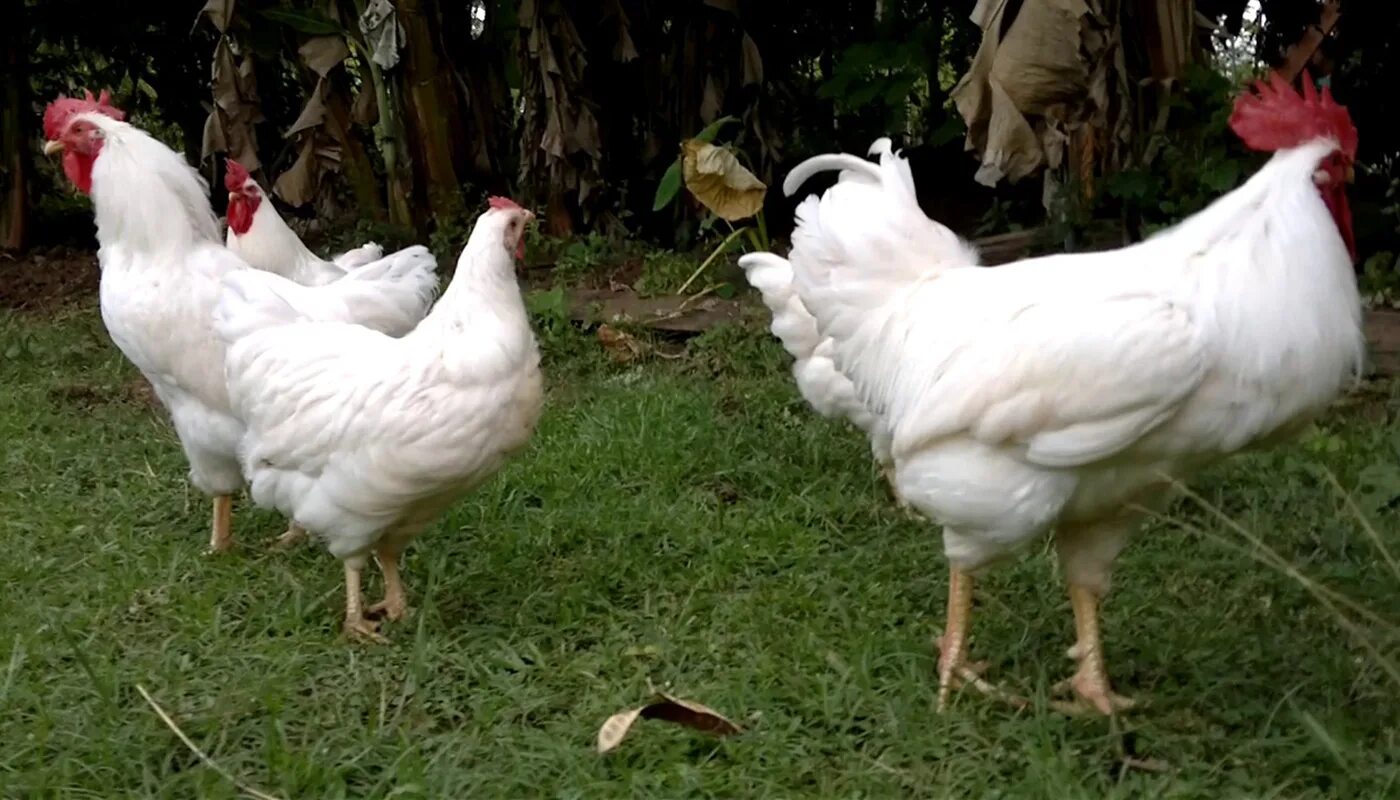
(162,262)
(1067,393)
(259,235)
(364,439)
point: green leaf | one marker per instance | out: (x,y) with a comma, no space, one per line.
(303,20)
(670,184)
(708,134)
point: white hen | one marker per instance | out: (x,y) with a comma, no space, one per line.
(1066,393)
(364,439)
(259,235)
(162,263)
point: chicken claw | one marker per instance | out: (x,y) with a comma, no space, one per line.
(356,627)
(365,631)
(390,608)
(954,670)
(394,606)
(1090,696)
(295,534)
(1090,682)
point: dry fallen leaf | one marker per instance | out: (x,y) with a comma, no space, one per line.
(672,709)
(718,180)
(620,346)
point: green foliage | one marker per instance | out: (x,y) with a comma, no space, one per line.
(1380,275)
(737,350)
(668,188)
(548,309)
(581,256)
(1189,162)
(664,272)
(881,75)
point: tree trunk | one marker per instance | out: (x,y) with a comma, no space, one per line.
(433,115)
(14,128)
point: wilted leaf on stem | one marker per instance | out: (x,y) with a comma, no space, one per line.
(323,53)
(220,12)
(720,182)
(672,709)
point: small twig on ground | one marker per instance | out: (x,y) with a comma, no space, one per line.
(208,762)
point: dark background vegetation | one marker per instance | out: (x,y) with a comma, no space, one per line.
(578,107)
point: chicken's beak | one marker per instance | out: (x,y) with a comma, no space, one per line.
(232,196)
(1351,174)
(52,147)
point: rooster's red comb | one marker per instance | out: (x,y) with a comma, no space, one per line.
(1276,117)
(502,202)
(234,175)
(58,113)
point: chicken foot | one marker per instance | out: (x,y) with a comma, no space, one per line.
(356,626)
(1090,681)
(394,606)
(954,670)
(221,531)
(294,534)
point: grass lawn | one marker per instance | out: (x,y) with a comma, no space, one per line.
(686,523)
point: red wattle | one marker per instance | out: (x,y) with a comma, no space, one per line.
(78,168)
(240,214)
(1337,203)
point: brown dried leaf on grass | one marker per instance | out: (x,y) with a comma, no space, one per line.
(620,345)
(665,707)
(720,182)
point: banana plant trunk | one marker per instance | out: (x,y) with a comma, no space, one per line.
(14,128)
(433,122)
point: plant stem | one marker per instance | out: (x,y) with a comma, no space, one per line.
(724,245)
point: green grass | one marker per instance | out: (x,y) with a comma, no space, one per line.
(686,523)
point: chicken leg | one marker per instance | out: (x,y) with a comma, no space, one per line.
(221,532)
(357,627)
(954,670)
(394,606)
(1090,681)
(952,646)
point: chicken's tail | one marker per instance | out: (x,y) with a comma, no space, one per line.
(865,240)
(360,256)
(822,385)
(390,295)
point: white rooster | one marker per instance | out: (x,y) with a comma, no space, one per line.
(259,235)
(364,439)
(1066,393)
(163,261)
